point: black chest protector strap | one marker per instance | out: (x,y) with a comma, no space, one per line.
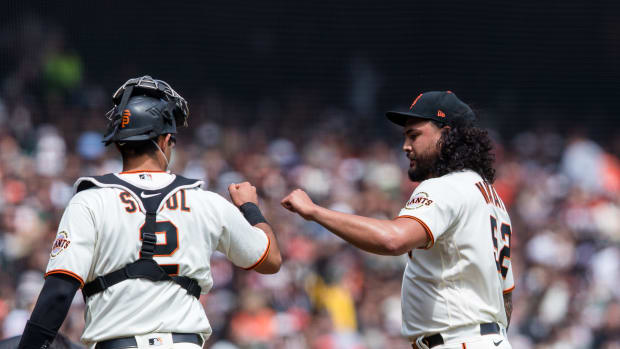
(145,267)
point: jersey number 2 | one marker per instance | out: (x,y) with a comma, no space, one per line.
(504,252)
(167,244)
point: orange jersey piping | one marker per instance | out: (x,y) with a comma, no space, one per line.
(263,257)
(509,290)
(142,171)
(66,272)
(429,233)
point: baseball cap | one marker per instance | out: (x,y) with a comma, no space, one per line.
(441,106)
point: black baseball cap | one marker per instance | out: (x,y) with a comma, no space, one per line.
(441,106)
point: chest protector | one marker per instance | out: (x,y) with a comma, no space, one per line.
(145,267)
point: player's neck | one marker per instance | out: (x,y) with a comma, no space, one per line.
(143,163)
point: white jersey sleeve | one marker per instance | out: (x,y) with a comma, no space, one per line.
(434,205)
(73,249)
(244,245)
(508,282)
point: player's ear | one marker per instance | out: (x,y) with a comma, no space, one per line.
(163,140)
(172,140)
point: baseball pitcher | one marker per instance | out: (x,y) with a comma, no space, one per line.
(456,289)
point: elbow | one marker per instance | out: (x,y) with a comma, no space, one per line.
(397,241)
(395,248)
(276,264)
(271,265)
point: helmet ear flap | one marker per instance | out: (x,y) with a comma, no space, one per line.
(115,116)
(180,109)
(113,126)
(170,113)
(180,118)
(124,99)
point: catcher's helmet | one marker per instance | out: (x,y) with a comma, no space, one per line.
(144,108)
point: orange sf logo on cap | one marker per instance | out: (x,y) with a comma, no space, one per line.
(440,113)
(415,101)
(126,115)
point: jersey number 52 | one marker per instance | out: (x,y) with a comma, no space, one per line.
(503,253)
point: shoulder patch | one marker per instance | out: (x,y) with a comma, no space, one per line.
(420,199)
(60,244)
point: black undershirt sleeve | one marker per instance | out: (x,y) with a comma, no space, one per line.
(49,312)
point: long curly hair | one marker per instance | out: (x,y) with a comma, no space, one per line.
(464,146)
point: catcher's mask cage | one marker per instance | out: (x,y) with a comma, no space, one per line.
(172,111)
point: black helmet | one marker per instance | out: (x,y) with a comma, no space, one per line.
(144,108)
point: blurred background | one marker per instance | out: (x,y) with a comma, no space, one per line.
(292,94)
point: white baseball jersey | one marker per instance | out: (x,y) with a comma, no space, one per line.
(100,232)
(459,278)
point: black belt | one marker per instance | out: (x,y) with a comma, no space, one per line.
(130,342)
(437,339)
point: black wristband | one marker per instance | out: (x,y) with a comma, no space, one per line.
(36,337)
(252,213)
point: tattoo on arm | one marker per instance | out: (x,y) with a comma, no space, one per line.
(508,306)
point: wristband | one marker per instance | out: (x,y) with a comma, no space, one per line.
(252,213)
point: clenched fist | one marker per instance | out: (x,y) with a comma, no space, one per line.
(299,202)
(242,193)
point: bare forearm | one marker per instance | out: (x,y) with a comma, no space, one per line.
(369,234)
(387,237)
(508,306)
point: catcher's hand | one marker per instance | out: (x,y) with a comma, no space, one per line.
(242,193)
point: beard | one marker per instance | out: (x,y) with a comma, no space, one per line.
(424,165)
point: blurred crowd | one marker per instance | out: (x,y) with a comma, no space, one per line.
(562,191)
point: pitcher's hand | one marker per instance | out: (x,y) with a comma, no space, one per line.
(299,202)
